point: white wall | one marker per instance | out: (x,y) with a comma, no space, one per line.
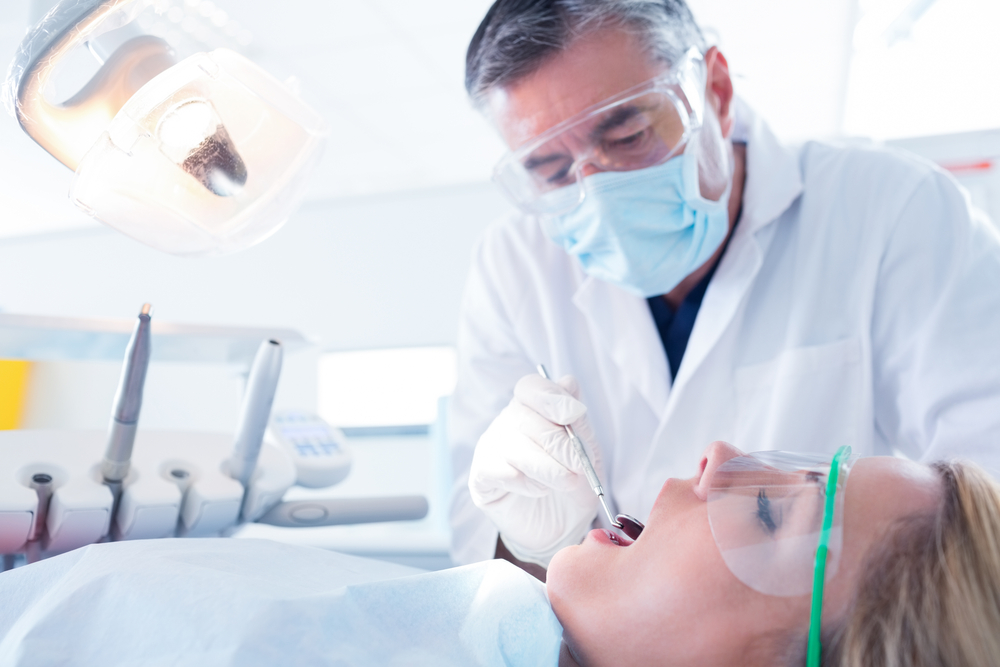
(788,58)
(372,272)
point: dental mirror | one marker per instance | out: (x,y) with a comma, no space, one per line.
(629,525)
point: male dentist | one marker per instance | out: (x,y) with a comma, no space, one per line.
(690,279)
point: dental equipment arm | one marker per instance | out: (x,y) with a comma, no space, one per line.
(340,511)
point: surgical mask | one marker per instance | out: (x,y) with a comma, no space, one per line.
(643,230)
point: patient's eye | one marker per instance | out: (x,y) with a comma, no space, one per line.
(765,513)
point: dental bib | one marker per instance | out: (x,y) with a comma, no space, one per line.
(256,602)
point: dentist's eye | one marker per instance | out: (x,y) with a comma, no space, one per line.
(765,513)
(626,142)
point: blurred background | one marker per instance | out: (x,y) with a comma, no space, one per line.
(376,257)
(369,271)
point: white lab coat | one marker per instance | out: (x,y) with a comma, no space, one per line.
(858,303)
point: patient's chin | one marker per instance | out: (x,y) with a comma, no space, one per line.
(563,577)
(569,583)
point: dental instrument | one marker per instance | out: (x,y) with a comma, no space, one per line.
(42,485)
(128,403)
(623,522)
(261,385)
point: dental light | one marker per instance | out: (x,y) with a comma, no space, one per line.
(199,157)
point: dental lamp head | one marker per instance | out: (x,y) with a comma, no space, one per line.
(204,156)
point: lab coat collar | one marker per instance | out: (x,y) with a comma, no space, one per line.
(773,183)
(773,174)
(622,324)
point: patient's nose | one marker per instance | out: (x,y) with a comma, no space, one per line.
(714,456)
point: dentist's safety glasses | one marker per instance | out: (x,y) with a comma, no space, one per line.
(190,152)
(641,127)
(766,512)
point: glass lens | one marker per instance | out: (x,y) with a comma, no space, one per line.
(766,513)
(640,131)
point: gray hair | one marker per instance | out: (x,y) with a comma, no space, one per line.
(517,36)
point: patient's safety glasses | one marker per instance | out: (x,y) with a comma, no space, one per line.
(641,127)
(777,518)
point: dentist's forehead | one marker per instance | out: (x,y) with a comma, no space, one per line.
(593,68)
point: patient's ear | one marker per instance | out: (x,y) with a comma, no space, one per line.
(777,648)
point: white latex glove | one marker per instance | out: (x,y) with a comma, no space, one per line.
(526,475)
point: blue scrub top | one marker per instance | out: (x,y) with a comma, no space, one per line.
(675,327)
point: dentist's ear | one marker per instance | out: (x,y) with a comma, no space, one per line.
(714,456)
(719,89)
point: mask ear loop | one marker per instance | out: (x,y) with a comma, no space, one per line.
(814,649)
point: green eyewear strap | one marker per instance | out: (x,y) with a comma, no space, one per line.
(814,650)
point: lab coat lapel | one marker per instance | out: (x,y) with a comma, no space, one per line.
(773,183)
(623,328)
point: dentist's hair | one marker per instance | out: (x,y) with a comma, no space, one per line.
(930,593)
(517,36)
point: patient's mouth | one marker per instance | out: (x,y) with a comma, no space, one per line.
(618,539)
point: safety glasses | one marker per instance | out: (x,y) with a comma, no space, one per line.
(643,126)
(777,518)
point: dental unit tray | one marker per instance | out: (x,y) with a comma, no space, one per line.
(53,497)
(177,486)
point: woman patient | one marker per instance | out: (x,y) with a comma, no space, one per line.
(917,582)
(723,574)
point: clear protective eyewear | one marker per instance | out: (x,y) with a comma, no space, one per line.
(641,127)
(777,518)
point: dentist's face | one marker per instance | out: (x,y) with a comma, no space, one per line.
(670,599)
(599,65)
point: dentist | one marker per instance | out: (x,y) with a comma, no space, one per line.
(692,280)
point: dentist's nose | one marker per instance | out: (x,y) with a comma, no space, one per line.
(715,455)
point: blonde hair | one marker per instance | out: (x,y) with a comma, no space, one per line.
(930,593)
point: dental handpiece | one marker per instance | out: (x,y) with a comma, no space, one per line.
(125,414)
(256,410)
(128,403)
(588,467)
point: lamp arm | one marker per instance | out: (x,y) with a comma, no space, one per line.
(69,129)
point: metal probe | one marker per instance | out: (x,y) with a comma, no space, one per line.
(588,467)
(128,402)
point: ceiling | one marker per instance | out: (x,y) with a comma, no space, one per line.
(387,76)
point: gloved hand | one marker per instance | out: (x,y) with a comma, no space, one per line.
(526,475)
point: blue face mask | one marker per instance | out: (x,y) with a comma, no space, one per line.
(643,230)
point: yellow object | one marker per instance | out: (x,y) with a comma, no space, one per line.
(13,387)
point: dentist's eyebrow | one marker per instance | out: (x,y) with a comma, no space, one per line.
(616,118)
(534,162)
